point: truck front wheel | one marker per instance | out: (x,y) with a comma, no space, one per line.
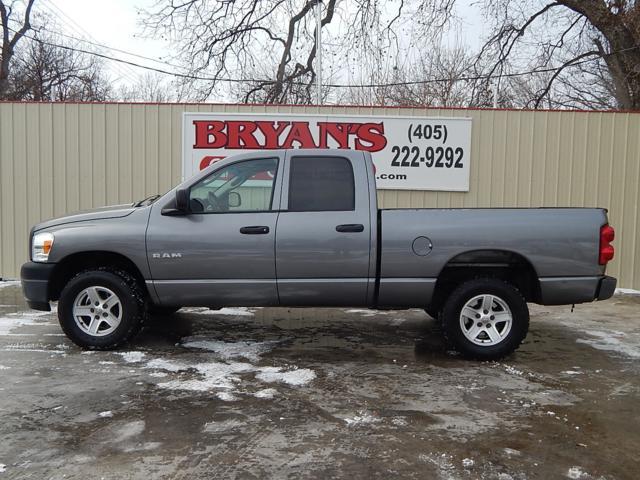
(101,309)
(485,319)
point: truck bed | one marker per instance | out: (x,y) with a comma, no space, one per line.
(545,238)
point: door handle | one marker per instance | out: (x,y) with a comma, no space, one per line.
(257,230)
(350,227)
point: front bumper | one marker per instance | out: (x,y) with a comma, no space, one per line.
(570,290)
(35,279)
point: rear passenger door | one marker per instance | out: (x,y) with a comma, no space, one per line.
(323,232)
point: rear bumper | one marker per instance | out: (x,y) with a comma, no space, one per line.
(35,279)
(606,288)
(570,290)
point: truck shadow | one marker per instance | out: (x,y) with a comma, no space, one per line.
(349,334)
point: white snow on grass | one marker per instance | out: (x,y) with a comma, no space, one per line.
(132,357)
(9,283)
(612,341)
(296,376)
(229,350)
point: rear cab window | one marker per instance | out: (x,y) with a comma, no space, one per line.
(321,184)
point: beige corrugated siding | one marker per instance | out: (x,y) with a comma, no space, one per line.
(59,158)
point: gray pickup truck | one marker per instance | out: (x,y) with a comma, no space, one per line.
(301,228)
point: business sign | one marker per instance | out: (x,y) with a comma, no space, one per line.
(409,153)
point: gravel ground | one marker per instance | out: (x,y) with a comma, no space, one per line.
(320,393)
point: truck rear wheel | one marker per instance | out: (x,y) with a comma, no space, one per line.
(485,319)
(101,309)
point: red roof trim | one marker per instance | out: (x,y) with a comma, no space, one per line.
(253,105)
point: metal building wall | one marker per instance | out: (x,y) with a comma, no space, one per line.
(59,158)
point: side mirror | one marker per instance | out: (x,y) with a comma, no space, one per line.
(182,200)
(235,200)
(181,204)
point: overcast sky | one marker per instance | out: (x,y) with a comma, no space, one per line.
(115,24)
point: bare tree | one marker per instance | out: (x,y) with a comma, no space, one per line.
(149,88)
(45,69)
(221,39)
(540,52)
(579,41)
(11,36)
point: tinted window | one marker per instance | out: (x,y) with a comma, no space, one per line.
(320,184)
(240,187)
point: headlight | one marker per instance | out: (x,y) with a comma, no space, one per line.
(41,246)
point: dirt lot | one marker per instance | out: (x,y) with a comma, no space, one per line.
(277,393)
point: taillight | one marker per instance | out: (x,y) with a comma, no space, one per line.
(607,234)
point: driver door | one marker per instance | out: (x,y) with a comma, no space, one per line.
(223,252)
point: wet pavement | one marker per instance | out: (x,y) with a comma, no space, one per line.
(322,393)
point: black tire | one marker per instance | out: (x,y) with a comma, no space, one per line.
(132,302)
(162,311)
(454,324)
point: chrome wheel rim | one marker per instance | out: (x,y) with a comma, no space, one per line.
(486,320)
(97,311)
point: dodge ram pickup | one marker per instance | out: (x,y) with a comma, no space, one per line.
(301,228)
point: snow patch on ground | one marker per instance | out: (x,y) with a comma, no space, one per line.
(468,463)
(572,372)
(511,452)
(229,350)
(576,473)
(9,323)
(214,375)
(297,376)
(9,283)
(3,367)
(106,414)
(443,462)
(132,357)
(362,311)
(169,365)
(128,430)
(361,418)
(612,341)
(267,393)
(3,468)
(238,311)
(397,321)
(627,291)
(223,426)
(227,396)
